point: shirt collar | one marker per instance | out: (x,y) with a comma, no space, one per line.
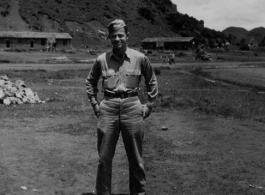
(127,53)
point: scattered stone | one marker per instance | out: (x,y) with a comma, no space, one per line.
(20,83)
(19,95)
(2,82)
(5,78)
(6,101)
(164,128)
(2,93)
(16,93)
(24,187)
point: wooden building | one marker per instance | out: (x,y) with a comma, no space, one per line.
(168,43)
(27,40)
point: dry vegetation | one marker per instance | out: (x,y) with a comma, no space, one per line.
(178,89)
(181,90)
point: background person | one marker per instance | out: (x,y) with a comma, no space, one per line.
(169,58)
(172,59)
(121,110)
(164,58)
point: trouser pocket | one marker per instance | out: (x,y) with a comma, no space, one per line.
(101,105)
(141,109)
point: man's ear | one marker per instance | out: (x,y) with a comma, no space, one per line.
(128,34)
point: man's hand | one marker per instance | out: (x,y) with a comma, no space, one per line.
(146,111)
(96,109)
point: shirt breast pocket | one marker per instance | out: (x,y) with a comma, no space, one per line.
(109,79)
(132,78)
(110,82)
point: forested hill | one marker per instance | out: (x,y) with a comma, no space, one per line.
(244,36)
(86,20)
(240,33)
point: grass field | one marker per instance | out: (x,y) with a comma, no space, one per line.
(242,75)
(72,56)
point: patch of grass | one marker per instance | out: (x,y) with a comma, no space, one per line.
(65,94)
(80,128)
(198,71)
(40,75)
(180,91)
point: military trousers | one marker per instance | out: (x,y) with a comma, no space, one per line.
(123,116)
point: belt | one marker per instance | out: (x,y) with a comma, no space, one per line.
(120,95)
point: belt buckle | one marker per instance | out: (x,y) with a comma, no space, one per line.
(122,95)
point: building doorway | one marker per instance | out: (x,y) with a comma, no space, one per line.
(7,43)
(31,43)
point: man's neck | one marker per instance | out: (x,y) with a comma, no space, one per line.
(119,53)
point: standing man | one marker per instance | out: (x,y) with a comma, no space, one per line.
(169,58)
(121,110)
(173,58)
(164,58)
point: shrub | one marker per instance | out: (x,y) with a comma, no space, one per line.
(244,47)
(220,58)
(4,61)
(181,54)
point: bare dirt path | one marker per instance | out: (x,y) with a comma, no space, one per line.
(198,154)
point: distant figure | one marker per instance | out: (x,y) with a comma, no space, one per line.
(164,58)
(171,58)
(168,58)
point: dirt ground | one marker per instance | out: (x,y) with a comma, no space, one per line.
(198,154)
(50,149)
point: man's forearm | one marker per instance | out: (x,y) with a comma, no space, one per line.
(151,101)
(93,100)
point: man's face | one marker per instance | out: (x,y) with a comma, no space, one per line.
(119,38)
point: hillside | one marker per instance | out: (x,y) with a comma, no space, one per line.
(239,32)
(256,35)
(86,21)
(253,36)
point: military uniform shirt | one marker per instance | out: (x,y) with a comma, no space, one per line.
(121,76)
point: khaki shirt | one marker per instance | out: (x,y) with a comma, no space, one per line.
(121,76)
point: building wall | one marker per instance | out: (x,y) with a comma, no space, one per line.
(169,45)
(149,45)
(177,45)
(28,43)
(63,42)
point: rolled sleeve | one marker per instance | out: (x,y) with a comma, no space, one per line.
(150,79)
(92,82)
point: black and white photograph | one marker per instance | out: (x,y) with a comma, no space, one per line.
(132,97)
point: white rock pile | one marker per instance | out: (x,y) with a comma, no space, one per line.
(16,93)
